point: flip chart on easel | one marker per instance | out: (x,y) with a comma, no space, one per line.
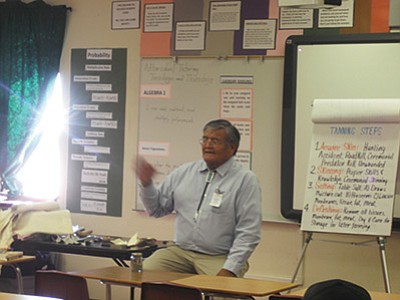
(352,166)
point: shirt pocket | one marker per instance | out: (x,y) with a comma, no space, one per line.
(223,208)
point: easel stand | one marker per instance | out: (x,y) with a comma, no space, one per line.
(382,245)
(382,250)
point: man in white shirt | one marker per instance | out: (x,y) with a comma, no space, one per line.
(217,205)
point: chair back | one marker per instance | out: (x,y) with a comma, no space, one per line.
(52,283)
(168,291)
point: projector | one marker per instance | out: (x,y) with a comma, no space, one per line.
(317,4)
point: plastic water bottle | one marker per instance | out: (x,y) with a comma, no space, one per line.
(136,262)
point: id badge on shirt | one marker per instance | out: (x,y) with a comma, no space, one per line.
(216,199)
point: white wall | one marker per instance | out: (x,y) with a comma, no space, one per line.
(89,25)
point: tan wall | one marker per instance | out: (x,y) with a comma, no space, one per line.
(276,257)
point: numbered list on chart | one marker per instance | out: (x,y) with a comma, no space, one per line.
(351,179)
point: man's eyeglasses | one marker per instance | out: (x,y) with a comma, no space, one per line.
(212,141)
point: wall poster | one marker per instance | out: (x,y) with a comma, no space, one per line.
(96,131)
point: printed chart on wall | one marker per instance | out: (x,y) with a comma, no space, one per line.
(235,28)
(177,98)
(96,131)
(352,167)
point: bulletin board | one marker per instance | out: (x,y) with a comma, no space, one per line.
(201,28)
(178,97)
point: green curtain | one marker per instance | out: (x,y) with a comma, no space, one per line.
(31,41)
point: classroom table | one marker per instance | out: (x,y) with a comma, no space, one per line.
(235,286)
(8,296)
(13,264)
(206,283)
(384,296)
(374,295)
(96,247)
(125,277)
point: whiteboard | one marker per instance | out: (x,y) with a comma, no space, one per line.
(331,67)
(192,91)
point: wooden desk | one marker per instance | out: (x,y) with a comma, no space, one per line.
(384,296)
(13,264)
(374,295)
(235,286)
(206,283)
(124,276)
(7,296)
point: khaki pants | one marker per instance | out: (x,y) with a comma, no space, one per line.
(175,259)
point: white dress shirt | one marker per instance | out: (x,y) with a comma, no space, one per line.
(229,219)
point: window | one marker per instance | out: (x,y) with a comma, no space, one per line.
(41,174)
